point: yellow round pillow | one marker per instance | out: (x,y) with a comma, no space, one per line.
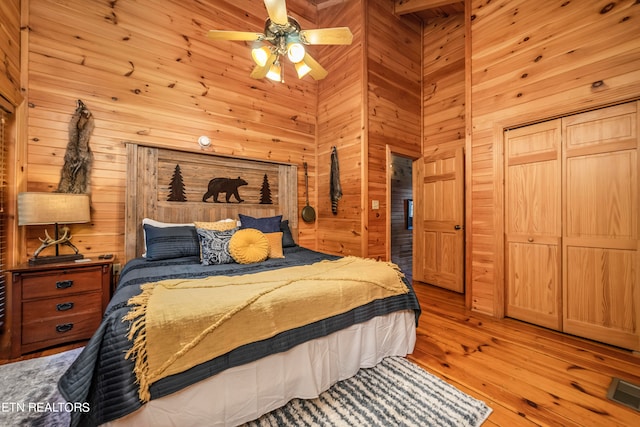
(249,245)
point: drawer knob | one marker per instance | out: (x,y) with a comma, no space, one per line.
(64,284)
(65,327)
(64,306)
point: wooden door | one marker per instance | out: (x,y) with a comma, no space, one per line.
(601,261)
(533,224)
(439,219)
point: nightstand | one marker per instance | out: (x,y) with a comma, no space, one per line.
(54,304)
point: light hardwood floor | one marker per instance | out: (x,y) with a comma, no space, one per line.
(529,375)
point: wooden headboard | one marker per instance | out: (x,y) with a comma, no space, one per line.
(169,185)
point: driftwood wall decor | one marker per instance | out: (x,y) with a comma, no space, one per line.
(74,177)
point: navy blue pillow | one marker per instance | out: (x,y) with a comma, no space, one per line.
(266,225)
(171,242)
(287,237)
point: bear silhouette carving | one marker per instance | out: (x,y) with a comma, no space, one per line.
(224,185)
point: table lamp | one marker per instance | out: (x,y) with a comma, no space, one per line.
(53,208)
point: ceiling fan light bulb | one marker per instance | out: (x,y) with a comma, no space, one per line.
(295,52)
(261,55)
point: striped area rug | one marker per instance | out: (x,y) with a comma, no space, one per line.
(396,392)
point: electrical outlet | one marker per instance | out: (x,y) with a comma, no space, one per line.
(375,204)
(116,269)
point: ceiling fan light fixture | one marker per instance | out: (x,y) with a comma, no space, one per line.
(302,69)
(275,72)
(282,36)
(295,52)
(261,55)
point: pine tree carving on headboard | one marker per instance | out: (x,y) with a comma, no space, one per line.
(265,192)
(176,187)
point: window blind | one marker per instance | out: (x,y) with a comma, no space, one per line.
(4,116)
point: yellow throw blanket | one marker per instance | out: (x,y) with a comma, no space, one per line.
(178,324)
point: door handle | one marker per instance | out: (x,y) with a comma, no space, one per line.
(457,227)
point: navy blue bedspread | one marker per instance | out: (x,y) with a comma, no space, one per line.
(105,380)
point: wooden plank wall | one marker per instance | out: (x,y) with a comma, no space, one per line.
(10,67)
(148,73)
(532,61)
(443,83)
(371,101)
(340,124)
(10,50)
(394,77)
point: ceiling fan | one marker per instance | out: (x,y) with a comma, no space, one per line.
(285,38)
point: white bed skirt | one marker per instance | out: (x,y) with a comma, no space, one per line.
(246,392)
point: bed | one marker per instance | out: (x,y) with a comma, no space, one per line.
(227,379)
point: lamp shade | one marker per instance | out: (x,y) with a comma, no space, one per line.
(53,208)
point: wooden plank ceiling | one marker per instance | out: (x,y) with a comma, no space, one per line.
(424,9)
(428,9)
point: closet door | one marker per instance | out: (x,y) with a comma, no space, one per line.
(601,259)
(532,220)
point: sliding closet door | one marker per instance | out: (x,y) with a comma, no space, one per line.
(601,259)
(533,227)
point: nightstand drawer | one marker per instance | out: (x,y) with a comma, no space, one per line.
(34,312)
(63,329)
(39,285)
(56,304)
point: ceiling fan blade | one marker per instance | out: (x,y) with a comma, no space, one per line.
(337,35)
(260,72)
(234,35)
(277,10)
(317,71)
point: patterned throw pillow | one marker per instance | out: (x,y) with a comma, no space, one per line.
(222,225)
(214,246)
(248,246)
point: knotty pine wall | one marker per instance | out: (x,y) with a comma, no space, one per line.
(394,78)
(370,102)
(10,50)
(531,61)
(149,74)
(340,124)
(443,103)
